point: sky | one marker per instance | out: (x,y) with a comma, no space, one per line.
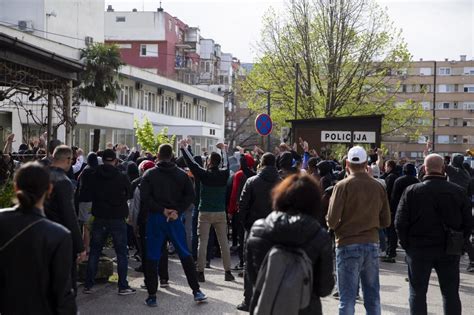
(433,29)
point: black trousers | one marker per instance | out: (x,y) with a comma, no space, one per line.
(163,264)
(248,288)
(420,263)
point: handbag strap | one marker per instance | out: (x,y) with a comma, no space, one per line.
(26,228)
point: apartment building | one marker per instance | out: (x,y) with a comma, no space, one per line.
(452,98)
(75,23)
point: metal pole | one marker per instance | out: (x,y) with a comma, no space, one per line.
(434,109)
(297,88)
(50,123)
(269,139)
(67,113)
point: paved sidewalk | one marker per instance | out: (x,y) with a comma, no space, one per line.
(224,296)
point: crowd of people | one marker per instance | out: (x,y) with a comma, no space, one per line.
(303,227)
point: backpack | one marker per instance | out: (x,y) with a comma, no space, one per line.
(284,282)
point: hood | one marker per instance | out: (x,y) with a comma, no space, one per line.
(409,169)
(290,230)
(286,160)
(325,167)
(92,160)
(166,166)
(107,171)
(269,174)
(457,160)
(248,161)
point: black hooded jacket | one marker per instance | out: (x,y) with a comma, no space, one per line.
(166,186)
(423,209)
(325,171)
(301,231)
(457,173)
(110,191)
(255,201)
(401,184)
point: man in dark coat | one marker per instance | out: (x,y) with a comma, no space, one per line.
(401,183)
(425,212)
(60,205)
(110,191)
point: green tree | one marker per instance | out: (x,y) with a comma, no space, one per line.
(351,59)
(99,81)
(147,139)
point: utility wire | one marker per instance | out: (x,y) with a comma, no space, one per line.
(12,25)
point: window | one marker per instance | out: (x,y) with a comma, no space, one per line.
(469,88)
(120,19)
(445,105)
(149,50)
(456,88)
(443,122)
(162,105)
(425,71)
(126,96)
(426,105)
(455,105)
(455,122)
(208,66)
(404,88)
(445,88)
(469,70)
(469,106)
(444,71)
(424,88)
(146,104)
(124,46)
(443,139)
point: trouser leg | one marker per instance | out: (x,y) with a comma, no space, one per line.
(203,227)
(220,225)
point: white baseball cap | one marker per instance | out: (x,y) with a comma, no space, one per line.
(357,155)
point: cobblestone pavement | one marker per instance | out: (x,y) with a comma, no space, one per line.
(224,296)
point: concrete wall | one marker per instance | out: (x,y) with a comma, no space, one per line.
(75,19)
(138,26)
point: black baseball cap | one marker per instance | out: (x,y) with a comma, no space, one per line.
(109,155)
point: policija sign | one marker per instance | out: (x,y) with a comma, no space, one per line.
(351,130)
(348,136)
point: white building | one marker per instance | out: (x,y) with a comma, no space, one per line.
(71,22)
(184,109)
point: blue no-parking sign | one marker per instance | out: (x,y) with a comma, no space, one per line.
(263,124)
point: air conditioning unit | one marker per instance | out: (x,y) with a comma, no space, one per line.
(159,91)
(179,97)
(138,85)
(89,40)
(26,26)
(195,101)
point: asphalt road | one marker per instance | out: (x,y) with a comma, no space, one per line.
(224,296)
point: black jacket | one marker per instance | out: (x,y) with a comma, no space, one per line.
(60,206)
(399,187)
(457,174)
(390,179)
(35,268)
(84,189)
(425,206)
(166,186)
(110,191)
(255,201)
(301,231)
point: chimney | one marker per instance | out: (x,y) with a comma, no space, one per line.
(463,57)
(134,10)
(109,8)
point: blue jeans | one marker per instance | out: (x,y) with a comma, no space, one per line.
(101,229)
(354,262)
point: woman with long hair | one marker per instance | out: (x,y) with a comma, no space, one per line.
(293,224)
(35,264)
